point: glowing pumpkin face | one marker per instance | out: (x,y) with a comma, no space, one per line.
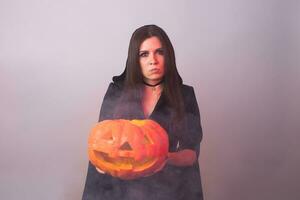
(128,149)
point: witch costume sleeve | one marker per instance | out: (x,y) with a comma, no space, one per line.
(172,182)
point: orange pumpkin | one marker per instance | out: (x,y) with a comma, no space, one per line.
(128,149)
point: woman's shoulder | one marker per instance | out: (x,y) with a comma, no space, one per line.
(116,84)
(187,89)
(188,94)
(119,80)
(114,90)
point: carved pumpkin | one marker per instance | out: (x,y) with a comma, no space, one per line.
(128,149)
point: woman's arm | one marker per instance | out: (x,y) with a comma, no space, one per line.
(189,143)
(186,157)
(106,111)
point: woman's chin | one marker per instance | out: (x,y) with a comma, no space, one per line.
(155,78)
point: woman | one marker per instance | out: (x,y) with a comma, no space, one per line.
(151,87)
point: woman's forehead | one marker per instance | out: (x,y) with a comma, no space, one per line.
(150,44)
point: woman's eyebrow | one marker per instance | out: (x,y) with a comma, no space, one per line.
(160,48)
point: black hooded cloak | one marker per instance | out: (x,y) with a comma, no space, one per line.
(172,182)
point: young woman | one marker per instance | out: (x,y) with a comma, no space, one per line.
(151,87)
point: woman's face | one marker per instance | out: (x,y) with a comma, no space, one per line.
(152,61)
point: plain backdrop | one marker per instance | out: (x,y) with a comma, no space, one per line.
(241,56)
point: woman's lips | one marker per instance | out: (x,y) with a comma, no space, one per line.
(154,71)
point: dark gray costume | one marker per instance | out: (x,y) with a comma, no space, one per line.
(171,183)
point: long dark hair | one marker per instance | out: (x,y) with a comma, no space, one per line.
(132,74)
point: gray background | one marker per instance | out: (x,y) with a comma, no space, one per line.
(242,57)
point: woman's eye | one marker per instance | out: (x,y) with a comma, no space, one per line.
(160,52)
(143,54)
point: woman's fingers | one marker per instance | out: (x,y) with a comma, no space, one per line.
(100,171)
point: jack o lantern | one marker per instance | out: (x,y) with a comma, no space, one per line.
(128,149)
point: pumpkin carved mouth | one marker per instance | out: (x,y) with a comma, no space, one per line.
(126,163)
(128,149)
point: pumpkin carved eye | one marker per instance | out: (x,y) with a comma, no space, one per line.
(128,149)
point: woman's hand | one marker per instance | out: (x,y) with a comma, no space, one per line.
(186,157)
(161,166)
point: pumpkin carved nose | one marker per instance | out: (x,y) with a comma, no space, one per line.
(126,146)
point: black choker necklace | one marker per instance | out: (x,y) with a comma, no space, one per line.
(154,84)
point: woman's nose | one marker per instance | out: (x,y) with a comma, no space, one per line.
(152,59)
